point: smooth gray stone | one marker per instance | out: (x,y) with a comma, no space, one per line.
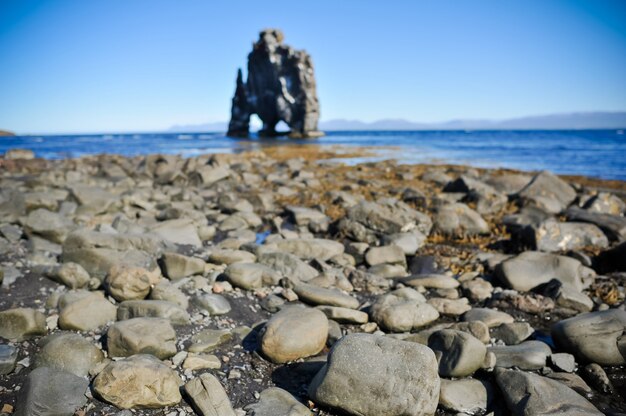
(529,355)
(353,381)
(389,217)
(50,392)
(213,303)
(563,362)
(545,185)
(513,333)
(531,394)
(459,354)
(459,220)
(277,402)
(533,268)
(596,337)
(467,396)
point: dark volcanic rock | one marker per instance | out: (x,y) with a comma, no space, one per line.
(280,87)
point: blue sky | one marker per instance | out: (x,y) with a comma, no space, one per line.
(144,65)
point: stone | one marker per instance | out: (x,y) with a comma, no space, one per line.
(176,266)
(567,297)
(458,353)
(231,256)
(208,397)
(545,187)
(69,352)
(605,203)
(344,315)
(208,175)
(597,377)
(490,317)
(22,323)
(321,296)
(72,275)
(531,394)
(450,307)
(486,199)
(275,401)
(596,337)
(50,391)
(391,254)
(288,265)
(553,236)
(98,252)
(209,339)
(201,362)
(139,381)
(280,86)
(389,217)
(563,362)
(307,248)
(613,226)
(129,283)
(432,281)
(154,336)
(92,199)
(573,381)
(88,312)
(294,333)
(153,309)
(166,291)
(8,358)
(531,269)
(180,231)
(402,310)
(214,304)
(351,379)
(251,275)
(459,220)
(529,355)
(466,396)
(49,225)
(513,333)
(477,289)
(409,242)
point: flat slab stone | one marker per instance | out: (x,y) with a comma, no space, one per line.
(529,355)
(321,296)
(139,381)
(531,394)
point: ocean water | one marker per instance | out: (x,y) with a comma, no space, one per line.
(597,153)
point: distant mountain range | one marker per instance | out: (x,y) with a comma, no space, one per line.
(566,121)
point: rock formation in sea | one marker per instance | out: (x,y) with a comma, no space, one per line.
(280,87)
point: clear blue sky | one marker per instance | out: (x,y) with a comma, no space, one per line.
(140,65)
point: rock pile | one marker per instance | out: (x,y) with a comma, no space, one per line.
(268,285)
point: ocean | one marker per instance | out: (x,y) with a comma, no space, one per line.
(596,153)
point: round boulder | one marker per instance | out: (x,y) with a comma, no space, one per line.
(293,333)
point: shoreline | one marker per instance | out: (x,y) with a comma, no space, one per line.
(344,241)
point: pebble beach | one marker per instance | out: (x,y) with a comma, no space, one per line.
(280,282)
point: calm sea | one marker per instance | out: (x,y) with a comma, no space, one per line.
(598,153)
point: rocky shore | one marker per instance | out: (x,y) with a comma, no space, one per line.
(279,283)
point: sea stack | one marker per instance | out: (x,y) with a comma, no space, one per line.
(280,87)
